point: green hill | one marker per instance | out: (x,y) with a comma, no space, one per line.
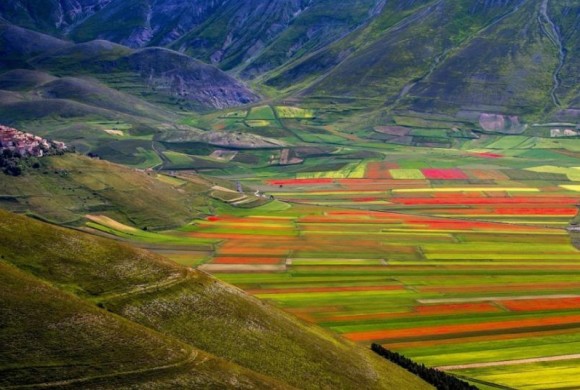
(449,57)
(162,314)
(256,37)
(373,59)
(53,339)
(66,188)
(169,76)
(254,34)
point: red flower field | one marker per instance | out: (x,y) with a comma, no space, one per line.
(444,174)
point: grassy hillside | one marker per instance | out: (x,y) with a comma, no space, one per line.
(566,16)
(24,79)
(180,303)
(19,45)
(257,37)
(431,38)
(452,57)
(449,57)
(169,76)
(66,188)
(53,339)
(98,95)
(306,71)
(48,105)
(506,66)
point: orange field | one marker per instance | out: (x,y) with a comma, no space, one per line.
(540,304)
(398,334)
(247,260)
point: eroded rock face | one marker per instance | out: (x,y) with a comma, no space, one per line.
(166,72)
(47,15)
(228,33)
(189,79)
(152,21)
(222,138)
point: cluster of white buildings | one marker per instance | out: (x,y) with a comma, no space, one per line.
(556,133)
(26,144)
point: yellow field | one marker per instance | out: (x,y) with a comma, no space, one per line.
(573,173)
(287,112)
(407,174)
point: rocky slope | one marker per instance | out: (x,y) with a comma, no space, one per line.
(156,71)
(224,32)
(454,57)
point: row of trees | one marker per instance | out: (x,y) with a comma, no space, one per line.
(14,164)
(439,379)
(11,162)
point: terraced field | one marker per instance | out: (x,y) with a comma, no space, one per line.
(467,267)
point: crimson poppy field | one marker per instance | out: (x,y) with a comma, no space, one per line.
(467,267)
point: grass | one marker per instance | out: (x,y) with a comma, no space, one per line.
(287,112)
(433,261)
(261,113)
(408,174)
(53,336)
(258,123)
(490,351)
(170,312)
(533,376)
(66,188)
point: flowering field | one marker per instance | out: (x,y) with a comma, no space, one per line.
(462,260)
(455,265)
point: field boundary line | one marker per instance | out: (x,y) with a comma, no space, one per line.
(510,362)
(497,298)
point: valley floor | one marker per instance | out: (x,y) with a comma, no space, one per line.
(459,259)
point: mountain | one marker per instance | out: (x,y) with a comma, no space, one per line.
(158,71)
(258,36)
(224,32)
(50,15)
(67,297)
(450,57)
(173,78)
(456,58)
(99,95)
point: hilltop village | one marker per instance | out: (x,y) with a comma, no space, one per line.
(26,144)
(17,146)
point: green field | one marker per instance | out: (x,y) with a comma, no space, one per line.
(91,293)
(453,258)
(285,184)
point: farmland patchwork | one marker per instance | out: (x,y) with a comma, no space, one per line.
(468,268)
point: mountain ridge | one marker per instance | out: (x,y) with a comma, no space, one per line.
(513,57)
(158,70)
